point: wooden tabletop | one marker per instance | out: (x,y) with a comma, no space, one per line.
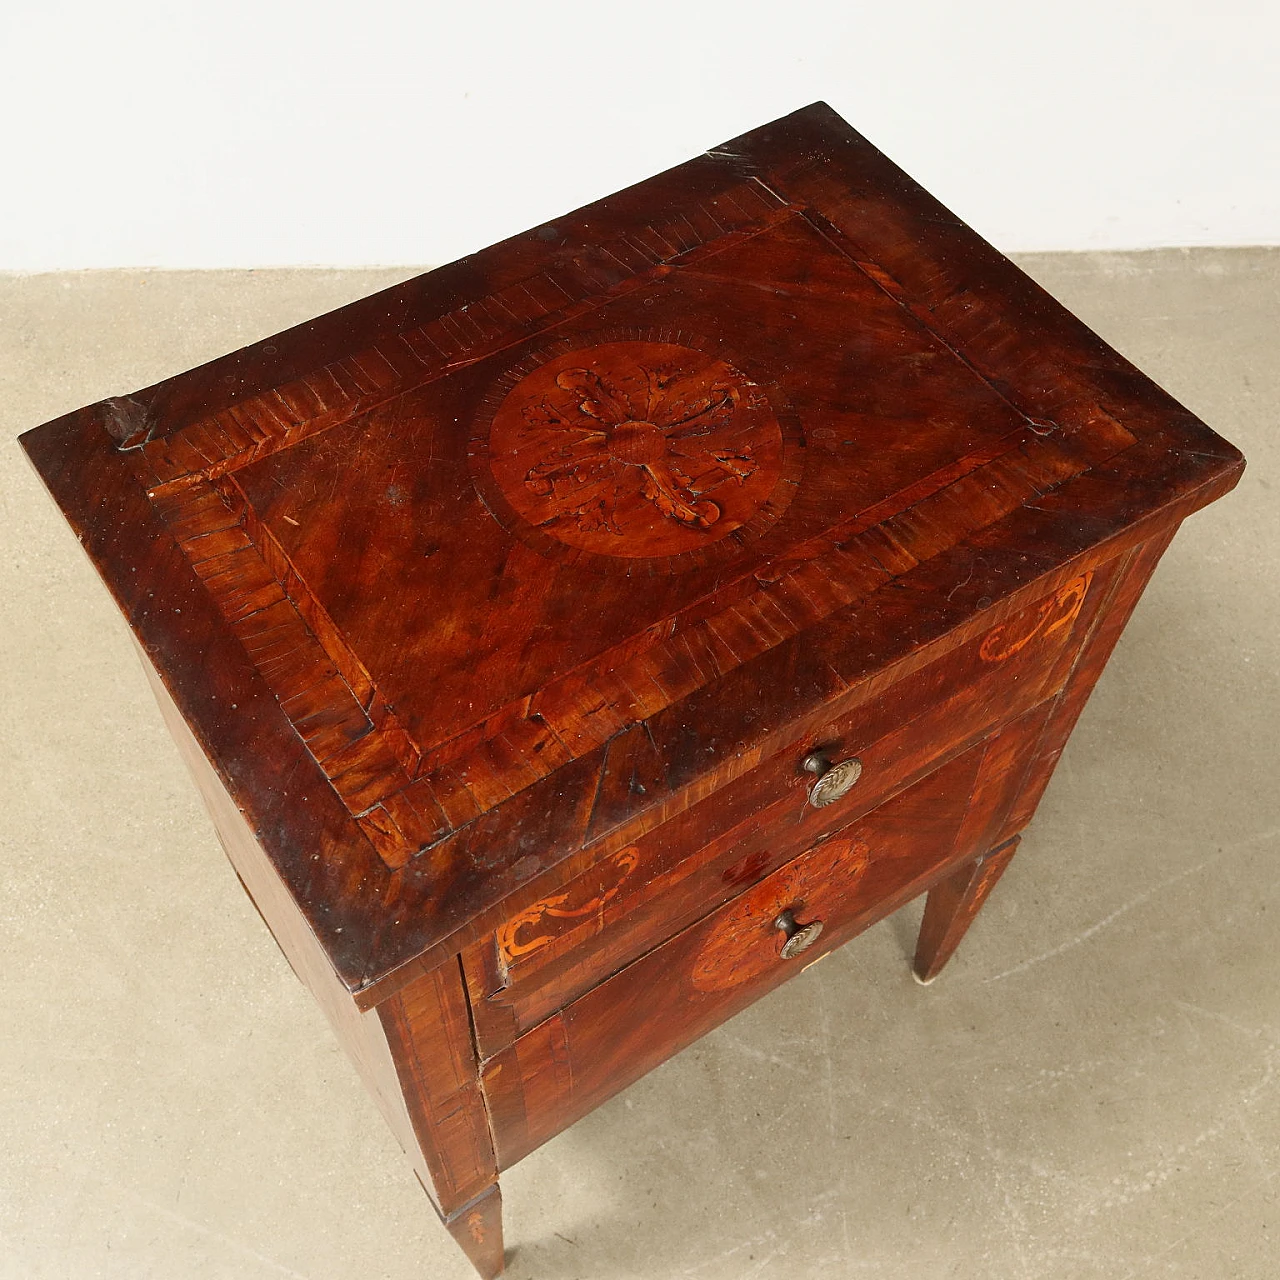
(463,585)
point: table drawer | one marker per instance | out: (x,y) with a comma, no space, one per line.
(581,1055)
(633,899)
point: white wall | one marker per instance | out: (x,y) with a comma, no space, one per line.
(218,134)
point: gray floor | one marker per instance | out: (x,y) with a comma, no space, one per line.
(1090,1091)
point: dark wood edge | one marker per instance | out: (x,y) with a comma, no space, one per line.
(309,836)
(959,282)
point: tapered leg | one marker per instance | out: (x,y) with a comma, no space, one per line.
(477,1228)
(951,906)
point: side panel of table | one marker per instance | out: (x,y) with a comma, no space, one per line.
(414,1052)
(1019,765)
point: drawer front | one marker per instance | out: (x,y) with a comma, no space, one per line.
(576,1059)
(635,898)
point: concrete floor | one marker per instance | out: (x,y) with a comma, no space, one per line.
(1090,1091)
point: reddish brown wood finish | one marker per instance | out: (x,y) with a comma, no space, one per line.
(951,906)
(575,1060)
(478,1230)
(497,613)
(428,1030)
(565,943)
(1092,655)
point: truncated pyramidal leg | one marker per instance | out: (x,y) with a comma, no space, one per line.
(951,906)
(478,1230)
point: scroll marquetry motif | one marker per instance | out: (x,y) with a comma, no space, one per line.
(1054,615)
(538,925)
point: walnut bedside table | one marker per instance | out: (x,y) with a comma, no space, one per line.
(574,642)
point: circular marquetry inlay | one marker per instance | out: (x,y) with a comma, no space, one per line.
(749,936)
(636,448)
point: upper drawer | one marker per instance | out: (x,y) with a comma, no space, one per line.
(632,900)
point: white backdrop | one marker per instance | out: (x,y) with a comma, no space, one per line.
(243,134)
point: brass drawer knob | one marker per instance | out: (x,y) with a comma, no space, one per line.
(800,937)
(834,780)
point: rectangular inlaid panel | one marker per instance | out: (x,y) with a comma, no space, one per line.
(433,675)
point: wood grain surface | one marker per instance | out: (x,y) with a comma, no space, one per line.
(445,548)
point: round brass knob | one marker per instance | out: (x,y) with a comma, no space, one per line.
(834,780)
(800,937)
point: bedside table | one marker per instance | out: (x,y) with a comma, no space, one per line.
(575,642)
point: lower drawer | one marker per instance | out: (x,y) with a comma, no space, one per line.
(574,1060)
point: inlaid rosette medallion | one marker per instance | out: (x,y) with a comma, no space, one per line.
(637,448)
